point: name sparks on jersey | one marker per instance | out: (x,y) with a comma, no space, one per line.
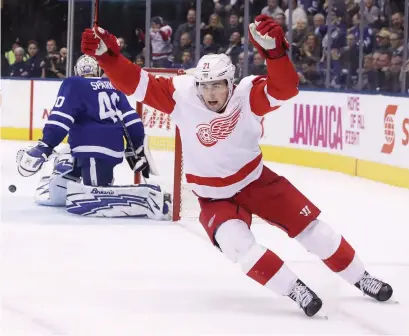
(100,85)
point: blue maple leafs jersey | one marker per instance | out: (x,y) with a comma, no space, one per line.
(88,109)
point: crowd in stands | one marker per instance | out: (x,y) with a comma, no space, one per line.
(383,69)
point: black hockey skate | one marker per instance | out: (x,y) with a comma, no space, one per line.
(306,298)
(374,287)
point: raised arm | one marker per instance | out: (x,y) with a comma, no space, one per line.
(124,75)
(270,92)
(280,84)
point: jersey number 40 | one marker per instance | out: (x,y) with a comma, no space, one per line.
(108,106)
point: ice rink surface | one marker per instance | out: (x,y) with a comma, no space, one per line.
(66,275)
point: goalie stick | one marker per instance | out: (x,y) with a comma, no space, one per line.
(127,136)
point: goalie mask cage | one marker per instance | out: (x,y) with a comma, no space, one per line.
(164,138)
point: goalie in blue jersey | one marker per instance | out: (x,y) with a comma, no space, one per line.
(95,116)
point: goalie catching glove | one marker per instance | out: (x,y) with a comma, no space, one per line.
(268,37)
(31,159)
(141,160)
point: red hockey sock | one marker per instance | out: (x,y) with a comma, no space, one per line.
(269,270)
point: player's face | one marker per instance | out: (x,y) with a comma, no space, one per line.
(214,94)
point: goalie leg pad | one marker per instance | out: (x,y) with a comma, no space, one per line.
(52,189)
(143,200)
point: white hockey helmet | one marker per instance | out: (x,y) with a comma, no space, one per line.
(215,67)
(87,66)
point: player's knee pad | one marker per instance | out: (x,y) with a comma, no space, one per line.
(320,239)
(52,189)
(143,200)
(235,239)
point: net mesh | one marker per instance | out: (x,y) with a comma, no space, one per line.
(164,142)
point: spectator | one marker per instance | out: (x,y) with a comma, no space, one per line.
(393,75)
(396,40)
(320,29)
(383,40)
(272,8)
(311,49)
(368,33)
(312,7)
(349,60)
(397,23)
(300,33)
(258,68)
(35,62)
(298,14)
(187,62)
(371,13)
(187,27)
(19,68)
(123,47)
(51,60)
(233,26)
(234,48)
(9,55)
(280,19)
(185,45)
(209,47)
(381,66)
(310,75)
(215,28)
(161,42)
(140,60)
(368,74)
(62,65)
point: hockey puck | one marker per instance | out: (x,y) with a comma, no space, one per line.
(12,188)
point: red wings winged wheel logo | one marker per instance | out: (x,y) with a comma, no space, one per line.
(218,129)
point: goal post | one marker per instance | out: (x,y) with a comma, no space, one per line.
(164,136)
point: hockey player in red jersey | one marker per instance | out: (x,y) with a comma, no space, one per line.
(220,127)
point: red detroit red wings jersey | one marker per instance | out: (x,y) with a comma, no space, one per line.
(221,153)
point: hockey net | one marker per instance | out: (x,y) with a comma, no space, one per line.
(165,144)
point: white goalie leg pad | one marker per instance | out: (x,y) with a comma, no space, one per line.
(143,200)
(52,189)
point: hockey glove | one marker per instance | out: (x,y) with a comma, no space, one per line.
(268,37)
(137,160)
(30,160)
(98,43)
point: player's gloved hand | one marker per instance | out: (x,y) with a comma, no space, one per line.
(268,37)
(137,160)
(97,41)
(30,160)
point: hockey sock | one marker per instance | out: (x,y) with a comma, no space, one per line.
(332,248)
(260,264)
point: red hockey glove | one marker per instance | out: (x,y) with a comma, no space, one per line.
(268,37)
(97,41)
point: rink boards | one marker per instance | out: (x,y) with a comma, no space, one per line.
(361,135)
